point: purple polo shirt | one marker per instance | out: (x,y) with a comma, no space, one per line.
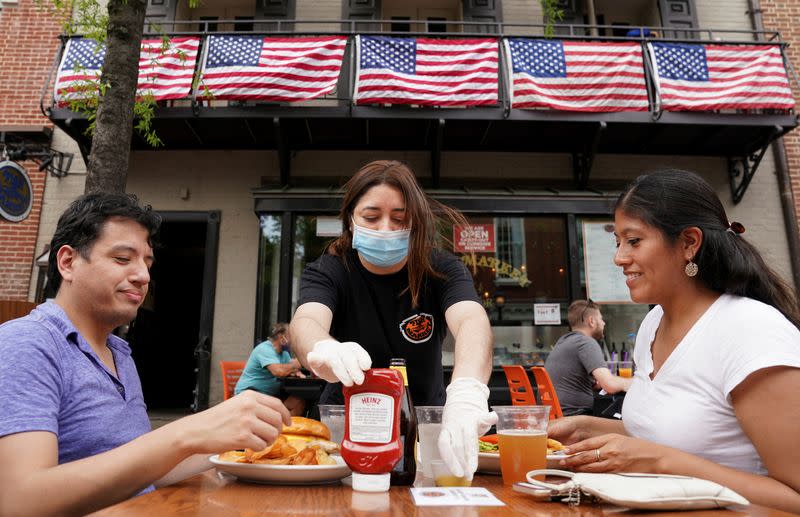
(51,380)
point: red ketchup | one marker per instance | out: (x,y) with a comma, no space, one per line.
(371,444)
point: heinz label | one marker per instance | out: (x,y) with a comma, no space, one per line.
(371,418)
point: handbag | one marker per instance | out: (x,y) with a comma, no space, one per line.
(635,490)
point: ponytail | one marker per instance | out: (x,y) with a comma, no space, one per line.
(672,200)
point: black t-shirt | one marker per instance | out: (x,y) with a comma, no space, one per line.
(375,311)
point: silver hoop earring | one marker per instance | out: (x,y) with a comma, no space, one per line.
(691,269)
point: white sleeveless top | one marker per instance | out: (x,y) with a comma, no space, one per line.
(688,405)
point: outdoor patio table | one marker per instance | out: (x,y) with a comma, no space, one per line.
(208,494)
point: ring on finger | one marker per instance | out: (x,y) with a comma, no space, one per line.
(597,455)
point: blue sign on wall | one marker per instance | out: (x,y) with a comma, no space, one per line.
(16,192)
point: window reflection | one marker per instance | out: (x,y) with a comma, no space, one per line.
(523,261)
(310,241)
(269,252)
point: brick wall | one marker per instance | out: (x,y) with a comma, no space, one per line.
(782,16)
(28,42)
(17,244)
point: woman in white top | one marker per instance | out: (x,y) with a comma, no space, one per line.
(717,391)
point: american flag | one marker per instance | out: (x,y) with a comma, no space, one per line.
(165,71)
(577,76)
(439,72)
(274,69)
(692,77)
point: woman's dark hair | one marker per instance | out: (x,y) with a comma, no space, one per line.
(82,222)
(424,214)
(672,200)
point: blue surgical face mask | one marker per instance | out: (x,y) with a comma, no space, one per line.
(382,249)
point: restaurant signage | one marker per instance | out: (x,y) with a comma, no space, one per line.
(605,282)
(328,226)
(500,267)
(473,238)
(547,314)
(16,192)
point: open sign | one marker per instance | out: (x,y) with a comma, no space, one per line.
(473,238)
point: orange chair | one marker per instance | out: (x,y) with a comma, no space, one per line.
(519,385)
(231,371)
(547,393)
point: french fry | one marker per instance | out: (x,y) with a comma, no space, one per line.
(233,457)
(323,458)
(273,461)
(288,449)
(554,445)
(307,456)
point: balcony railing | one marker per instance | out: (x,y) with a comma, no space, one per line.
(336,122)
(343,93)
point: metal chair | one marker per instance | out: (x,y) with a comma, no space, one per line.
(546,391)
(519,385)
(231,371)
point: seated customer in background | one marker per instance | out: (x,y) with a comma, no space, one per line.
(577,362)
(268,363)
(717,391)
(73,423)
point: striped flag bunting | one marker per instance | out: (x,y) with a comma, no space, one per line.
(695,77)
(271,68)
(576,75)
(426,71)
(166,70)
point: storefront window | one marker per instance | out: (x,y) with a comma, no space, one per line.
(312,235)
(622,319)
(516,262)
(269,252)
(519,264)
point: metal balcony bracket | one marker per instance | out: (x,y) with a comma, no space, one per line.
(190,127)
(582,162)
(741,169)
(284,159)
(436,152)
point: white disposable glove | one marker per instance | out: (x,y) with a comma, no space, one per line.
(466,417)
(339,362)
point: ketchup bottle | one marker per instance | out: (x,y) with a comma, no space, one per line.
(405,470)
(371,446)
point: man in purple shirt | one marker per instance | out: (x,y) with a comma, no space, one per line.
(72,417)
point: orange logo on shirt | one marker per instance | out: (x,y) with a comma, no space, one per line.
(417,328)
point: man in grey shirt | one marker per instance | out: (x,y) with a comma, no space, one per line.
(577,362)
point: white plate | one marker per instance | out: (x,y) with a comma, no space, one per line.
(553,459)
(489,462)
(285,474)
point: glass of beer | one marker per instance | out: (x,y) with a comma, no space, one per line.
(625,369)
(522,438)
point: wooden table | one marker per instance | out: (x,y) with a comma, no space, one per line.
(208,494)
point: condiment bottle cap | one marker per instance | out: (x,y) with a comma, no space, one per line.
(371,482)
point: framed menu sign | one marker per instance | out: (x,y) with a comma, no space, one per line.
(605,282)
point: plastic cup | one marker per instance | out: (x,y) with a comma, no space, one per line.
(625,369)
(443,477)
(612,365)
(333,417)
(429,425)
(522,437)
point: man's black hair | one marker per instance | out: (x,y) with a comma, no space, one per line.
(82,222)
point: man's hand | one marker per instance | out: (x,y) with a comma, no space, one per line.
(466,417)
(250,419)
(339,362)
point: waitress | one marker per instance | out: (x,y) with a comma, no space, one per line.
(385,289)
